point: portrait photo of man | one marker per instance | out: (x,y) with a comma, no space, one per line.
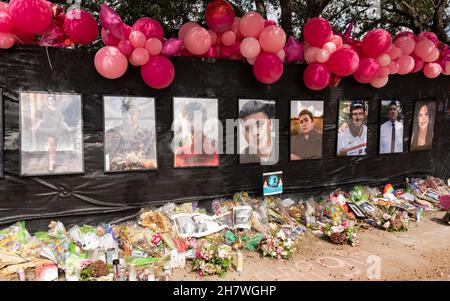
(352,129)
(130,139)
(306,130)
(258,141)
(196,133)
(391,130)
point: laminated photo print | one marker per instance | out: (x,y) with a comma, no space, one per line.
(242,217)
(197,225)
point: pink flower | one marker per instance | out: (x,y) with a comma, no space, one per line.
(156,239)
(345,224)
(279,250)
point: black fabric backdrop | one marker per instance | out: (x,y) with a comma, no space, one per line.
(95,197)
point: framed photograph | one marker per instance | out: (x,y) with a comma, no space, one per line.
(366,207)
(258,132)
(130,133)
(306,130)
(352,128)
(423,125)
(196,132)
(357,211)
(242,216)
(2,174)
(51,134)
(197,225)
(391,127)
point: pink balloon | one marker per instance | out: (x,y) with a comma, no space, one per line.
(108,39)
(393,67)
(272,39)
(322,56)
(251,61)
(432,70)
(219,15)
(343,62)
(292,50)
(384,60)
(394,52)
(433,56)
(317,31)
(251,25)
(418,63)
(330,47)
(406,44)
(171,47)
(110,62)
(158,73)
(404,34)
(316,76)
(197,40)
(112,22)
(383,72)
(6,22)
(6,40)
(150,28)
(376,42)
(446,68)
(125,47)
(213,37)
(4,7)
(282,55)
(212,53)
(367,70)
(140,56)
(185,28)
(379,82)
(132,62)
(228,38)
(405,64)
(81,27)
(336,40)
(424,48)
(153,46)
(311,54)
(428,35)
(137,39)
(235,29)
(30,16)
(250,48)
(237,49)
(268,68)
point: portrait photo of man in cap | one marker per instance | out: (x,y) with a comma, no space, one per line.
(256,128)
(352,132)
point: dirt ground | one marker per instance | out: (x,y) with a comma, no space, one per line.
(422,253)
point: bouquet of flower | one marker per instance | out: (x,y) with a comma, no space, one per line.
(341,232)
(395,220)
(213,259)
(277,243)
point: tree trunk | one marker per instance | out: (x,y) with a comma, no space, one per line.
(286,16)
(438,26)
(261,8)
(315,7)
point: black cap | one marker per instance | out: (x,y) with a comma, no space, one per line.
(257,106)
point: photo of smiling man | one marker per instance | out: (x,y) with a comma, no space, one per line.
(352,132)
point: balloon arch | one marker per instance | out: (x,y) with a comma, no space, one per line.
(262,43)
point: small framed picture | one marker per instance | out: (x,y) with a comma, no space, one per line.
(242,217)
(366,206)
(356,210)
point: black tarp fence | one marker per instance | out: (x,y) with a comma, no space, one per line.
(98,197)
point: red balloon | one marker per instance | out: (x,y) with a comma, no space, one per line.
(317,31)
(267,23)
(316,76)
(125,47)
(31,16)
(268,68)
(343,62)
(158,73)
(23,37)
(6,22)
(219,15)
(81,27)
(108,39)
(376,42)
(226,52)
(367,70)
(150,27)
